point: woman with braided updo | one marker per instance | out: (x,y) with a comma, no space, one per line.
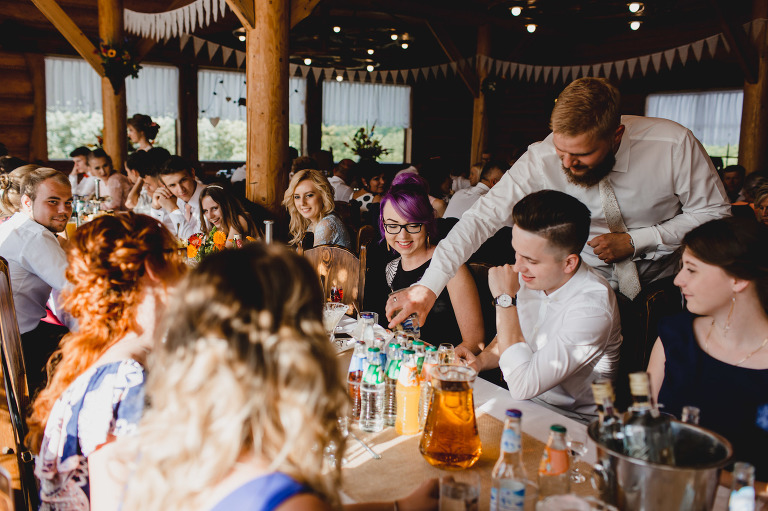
(142,131)
(10,190)
(120,268)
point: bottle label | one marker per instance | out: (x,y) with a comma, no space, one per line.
(373,375)
(510,441)
(742,499)
(408,377)
(508,498)
(553,462)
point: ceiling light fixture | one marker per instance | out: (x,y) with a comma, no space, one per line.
(531,28)
(394,37)
(307,61)
(516,10)
(404,46)
(337,29)
(369,67)
(635,7)
(240,34)
(634,25)
(370,51)
(339,78)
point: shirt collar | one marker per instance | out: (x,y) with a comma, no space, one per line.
(567,290)
(194,201)
(482,186)
(622,155)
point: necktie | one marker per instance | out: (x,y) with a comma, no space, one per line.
(626,270)
(187,212)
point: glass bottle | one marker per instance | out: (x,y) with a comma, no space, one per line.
(407,422)
(372,394)
(355,378)
(394,361)
(368,335)
(430,360)
(554,469)
(610,428)
(418,347)
(647,433)
(742,488)
(509,481)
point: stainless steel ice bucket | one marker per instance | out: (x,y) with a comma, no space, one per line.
(634,485)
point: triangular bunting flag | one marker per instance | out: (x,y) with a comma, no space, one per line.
(536,73)
(497,67)
(183,40)
(682,51)
(292,68)
(195,13)
(669,57)
(656,59)
(227,52)
(198,44)
(239,57)
(644,63)
(504,69)
(454,66)
(556,73)
(607,68)
(187,13)
(212,49)
(698,48)
(631,65)
(403,75)
(712,44)
(316,72)
(757,28)
(489,63)
(328,72)
(513,68)
(547,71)
(481,61)
(444,69)
(620,67)
(584,70)
(575,70)
(434,71)
(596,69)
(303,71)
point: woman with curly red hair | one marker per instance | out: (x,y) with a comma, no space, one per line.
(120,268)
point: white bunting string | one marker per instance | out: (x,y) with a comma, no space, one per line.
(184,20)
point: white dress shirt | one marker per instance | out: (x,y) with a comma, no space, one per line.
(663,179)
(85,188)
(572,337)
(464,199)
(459,183)
(342,192)
(176,221)
(36,263)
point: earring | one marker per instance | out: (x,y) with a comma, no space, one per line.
(730,314)
(388,247)
(427,240)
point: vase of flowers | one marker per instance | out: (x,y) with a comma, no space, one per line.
(118,63)
(365,146)
(200,245)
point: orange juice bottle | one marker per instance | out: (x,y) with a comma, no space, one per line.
(407,394)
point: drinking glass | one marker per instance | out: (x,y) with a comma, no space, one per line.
(445,354)
(460,491)
(332,314)
(690,415)
(6,491)
(578,449)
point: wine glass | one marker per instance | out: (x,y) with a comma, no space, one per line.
(332,314)
(578,449)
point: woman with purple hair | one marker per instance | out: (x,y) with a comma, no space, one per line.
(407,222)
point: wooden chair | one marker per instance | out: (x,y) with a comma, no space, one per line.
(365,235)
(16,391)
(338,266)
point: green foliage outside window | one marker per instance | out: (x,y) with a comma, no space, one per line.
(391,138)
(729,153)
(228,141)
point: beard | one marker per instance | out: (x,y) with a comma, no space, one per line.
(594,175)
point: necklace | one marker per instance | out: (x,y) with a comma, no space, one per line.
(737,364)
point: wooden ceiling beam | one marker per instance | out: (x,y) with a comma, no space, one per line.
(71,33)
(300,9)
(468,75)
(739,44)
(245,10)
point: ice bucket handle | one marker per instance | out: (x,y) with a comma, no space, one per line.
(599,478)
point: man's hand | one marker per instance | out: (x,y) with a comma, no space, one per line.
(503,279)
(468,357)
(163,198)
(418,299)
(612,247)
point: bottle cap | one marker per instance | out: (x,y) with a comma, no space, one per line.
(639,384)
(602,389)
(418,343)
(366,315)
(515,414)
(394,344)
(431,348)
(409,352)
(374,350)
(557,428)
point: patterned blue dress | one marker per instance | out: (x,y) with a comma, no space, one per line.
(105,401)
(330,230)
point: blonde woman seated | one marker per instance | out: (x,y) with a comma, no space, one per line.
(309,201)
(119,269)
(226,214)
(244,399)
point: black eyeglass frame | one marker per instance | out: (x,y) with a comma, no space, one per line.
(410,228)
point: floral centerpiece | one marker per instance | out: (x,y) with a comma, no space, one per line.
(365,146)
(201,245)
(118,63)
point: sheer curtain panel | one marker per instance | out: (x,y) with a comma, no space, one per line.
(359,104)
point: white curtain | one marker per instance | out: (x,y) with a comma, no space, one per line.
(214,87)
(714,117)
(71,85)
(359,104)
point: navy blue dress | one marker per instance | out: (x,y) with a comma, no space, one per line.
(733,400)
(264,493)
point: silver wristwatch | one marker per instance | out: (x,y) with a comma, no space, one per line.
(504,300)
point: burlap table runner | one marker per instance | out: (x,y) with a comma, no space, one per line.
(402,467)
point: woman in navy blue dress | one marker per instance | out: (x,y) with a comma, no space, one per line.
(715,355)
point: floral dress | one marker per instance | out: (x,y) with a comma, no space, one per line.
(104,402)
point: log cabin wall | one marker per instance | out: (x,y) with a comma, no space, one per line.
(21,75)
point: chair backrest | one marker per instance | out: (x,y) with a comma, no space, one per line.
(365,235)
(15,380)
(338,266)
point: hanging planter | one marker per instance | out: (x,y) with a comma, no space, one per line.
(118,64)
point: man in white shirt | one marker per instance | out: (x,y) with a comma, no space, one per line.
(557,319)
(177,202)
(83,185)
(462,200)
(651,175)
(342,191)
(36,262)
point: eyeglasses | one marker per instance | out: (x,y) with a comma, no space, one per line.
(396,228)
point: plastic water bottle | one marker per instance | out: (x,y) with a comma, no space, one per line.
(509,481)
(418,347)
(372,394)
(742,496)
(407,422)
(355,378)
(394,359)
(430,361)
(554,469)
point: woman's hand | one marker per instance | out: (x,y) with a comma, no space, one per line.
(503,280)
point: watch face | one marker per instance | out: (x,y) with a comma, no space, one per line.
(504,300)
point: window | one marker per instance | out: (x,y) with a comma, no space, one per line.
(222,124)
(347,106)
(73,110)
(713,117)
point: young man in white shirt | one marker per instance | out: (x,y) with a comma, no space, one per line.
(83,185)
(557,319)
(177,202)
(36,262)
(342,191)
(465,198)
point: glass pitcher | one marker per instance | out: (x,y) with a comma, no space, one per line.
(450,440)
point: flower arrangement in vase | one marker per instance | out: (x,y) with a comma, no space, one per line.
(365,146)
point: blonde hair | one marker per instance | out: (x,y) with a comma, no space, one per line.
(10,188)
(109,259)
(246,370)
(587,106)
(298,224)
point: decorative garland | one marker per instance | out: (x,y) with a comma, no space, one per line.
(184,20)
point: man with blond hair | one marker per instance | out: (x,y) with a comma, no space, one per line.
(646,182)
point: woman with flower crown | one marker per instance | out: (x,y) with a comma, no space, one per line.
(224,213)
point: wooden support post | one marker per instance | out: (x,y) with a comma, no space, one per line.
(267,105)
(753,150)
(113,105)
(188,147)
(314,113)
(479,115)
(38,142)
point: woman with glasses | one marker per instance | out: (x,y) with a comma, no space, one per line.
(407,222)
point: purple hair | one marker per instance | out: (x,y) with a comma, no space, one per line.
(408,195)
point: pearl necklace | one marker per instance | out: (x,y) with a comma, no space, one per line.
(737,364)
